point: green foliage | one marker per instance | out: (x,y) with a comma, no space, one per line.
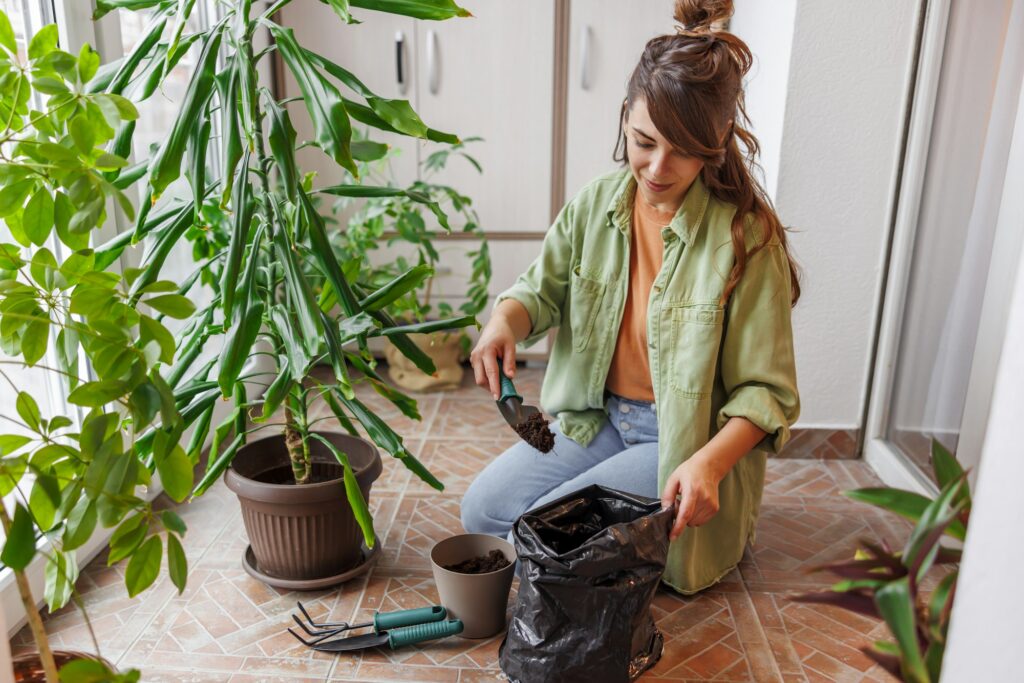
(882,583)
(401,211)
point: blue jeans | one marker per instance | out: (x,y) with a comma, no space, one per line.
(623,456)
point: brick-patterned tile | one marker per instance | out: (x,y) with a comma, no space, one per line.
(228,627)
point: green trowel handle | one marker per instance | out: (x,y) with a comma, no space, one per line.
(382,621)
(508,390)
(421,632)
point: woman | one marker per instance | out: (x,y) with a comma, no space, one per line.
(671,284)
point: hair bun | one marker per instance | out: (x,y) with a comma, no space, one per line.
(696,15)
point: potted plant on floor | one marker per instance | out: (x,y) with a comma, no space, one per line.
(263,273)
(887,584)
(64,475)
(410,219)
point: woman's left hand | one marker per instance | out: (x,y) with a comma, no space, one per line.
(696,483)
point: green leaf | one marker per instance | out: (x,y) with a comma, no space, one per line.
(436,10)
(217,467)
(175,473)
(98,393)
(83,132)
(896,605)
(367,150)
(238,347)
(7,35)
(10,443)
(20,544)
(397,288)
(340,8)
(172,522)
(44,268)
(44,500)
(144,566)
(243,206)
(904,503)
(81,523)
(61,574)
(43,42)
(126,538)
(173,305)
(38,217)
(165,166)
(177,565)
(323,101)
(947,468)
(34,340)
(28,410)
(88,63)
(352,492)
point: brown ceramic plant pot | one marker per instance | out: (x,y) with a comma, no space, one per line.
(28,668)
(303,537)
(479,600)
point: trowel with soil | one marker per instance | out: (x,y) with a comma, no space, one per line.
(528,422)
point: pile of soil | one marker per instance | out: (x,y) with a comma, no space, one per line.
(481,564)
(535,431)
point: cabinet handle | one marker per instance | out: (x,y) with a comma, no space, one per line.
(585,57)
(403,84)
(433,65)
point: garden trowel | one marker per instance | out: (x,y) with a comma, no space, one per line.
(511,403)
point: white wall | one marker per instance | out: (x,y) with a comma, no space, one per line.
(988,614)
(841,137)
(767,28)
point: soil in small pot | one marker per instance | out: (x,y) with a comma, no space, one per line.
(286,476)
(536,432)
(481,564)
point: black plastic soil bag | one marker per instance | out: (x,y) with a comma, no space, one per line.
(591,563)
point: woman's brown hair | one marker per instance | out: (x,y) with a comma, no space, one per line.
(692,83)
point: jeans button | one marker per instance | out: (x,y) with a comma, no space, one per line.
(623,408)
(624,426)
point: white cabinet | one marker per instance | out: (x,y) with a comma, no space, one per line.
(369,50)
(602,54)
(491,76)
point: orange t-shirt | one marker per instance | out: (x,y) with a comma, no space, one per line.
(630,372)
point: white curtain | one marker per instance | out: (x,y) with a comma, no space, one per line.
(951,372)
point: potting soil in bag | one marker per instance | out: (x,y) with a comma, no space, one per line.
(591,563)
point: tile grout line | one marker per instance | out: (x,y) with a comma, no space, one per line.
(760,628)
(158,612)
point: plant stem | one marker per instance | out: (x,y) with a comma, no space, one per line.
(296,447)
(35,621)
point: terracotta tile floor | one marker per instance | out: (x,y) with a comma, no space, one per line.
(229,627)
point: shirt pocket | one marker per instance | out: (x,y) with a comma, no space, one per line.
(585,296)
(693,354)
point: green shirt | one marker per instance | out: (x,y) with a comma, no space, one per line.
(708,362)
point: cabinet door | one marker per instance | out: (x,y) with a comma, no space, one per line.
(369,50)
(491,76)
(603,50)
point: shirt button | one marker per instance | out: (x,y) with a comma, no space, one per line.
(623,408)
(657,288)
(624,426)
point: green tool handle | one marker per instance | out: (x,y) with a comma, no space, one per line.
(508,390)
(383,621)
(421,632)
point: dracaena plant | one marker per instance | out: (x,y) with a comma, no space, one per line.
(63,475)
(882,583)
(364,233)
(264,247)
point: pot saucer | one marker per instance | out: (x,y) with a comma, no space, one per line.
(369,559)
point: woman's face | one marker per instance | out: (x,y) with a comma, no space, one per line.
(663,173)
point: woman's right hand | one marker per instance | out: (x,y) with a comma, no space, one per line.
(496,341)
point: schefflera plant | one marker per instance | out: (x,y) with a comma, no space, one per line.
(884,583)
(263,246)
(64,475)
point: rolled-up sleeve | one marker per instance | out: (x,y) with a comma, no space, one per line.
(543,287)
(758,368)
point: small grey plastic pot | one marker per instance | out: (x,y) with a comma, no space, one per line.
(479,600)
